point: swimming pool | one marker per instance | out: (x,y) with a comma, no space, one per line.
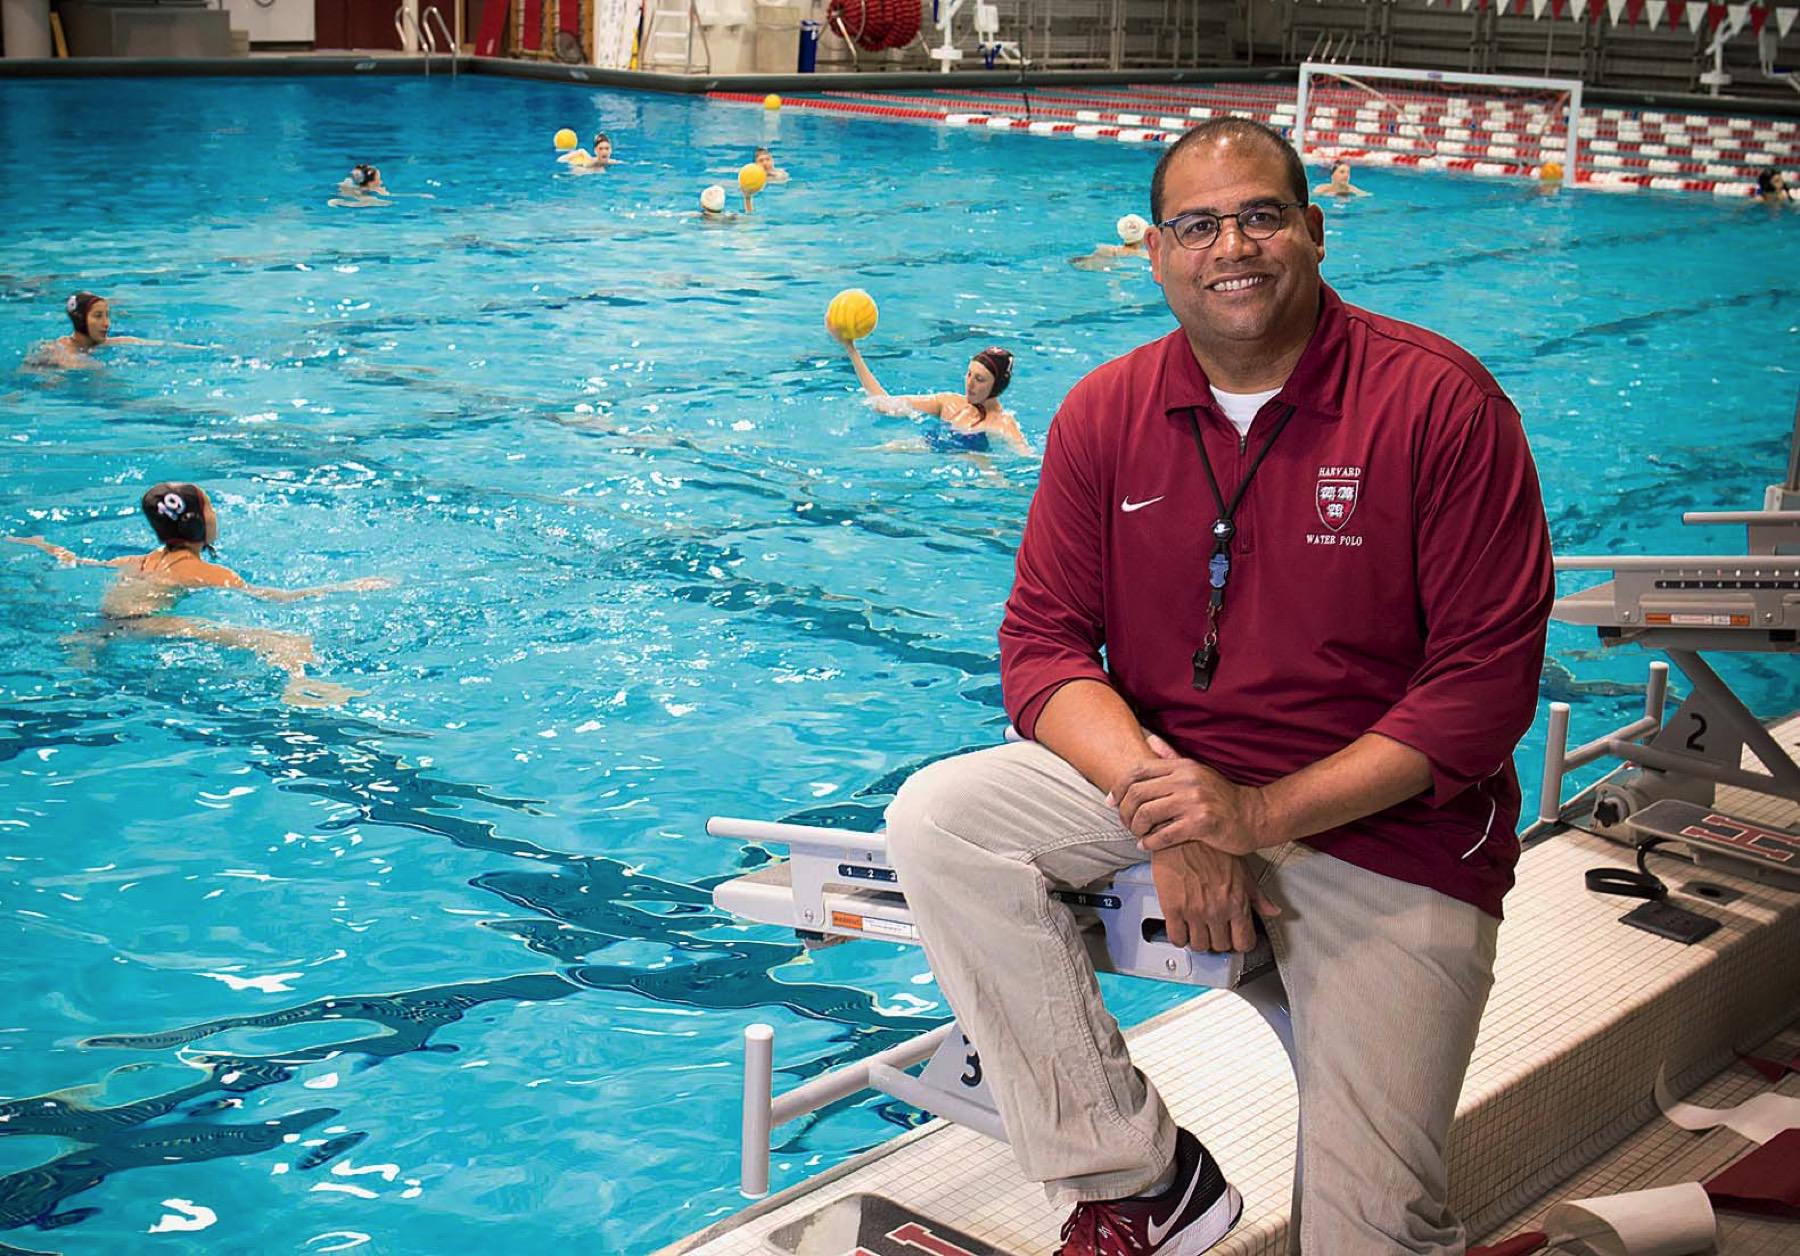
(371,976)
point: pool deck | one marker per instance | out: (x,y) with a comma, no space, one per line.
(1622,150)
(1557,1103)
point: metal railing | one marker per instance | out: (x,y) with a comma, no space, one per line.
(423,38)
(437,14)
(404,21)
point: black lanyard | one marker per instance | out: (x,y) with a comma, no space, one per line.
(1218,567)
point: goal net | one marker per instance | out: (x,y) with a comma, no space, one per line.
(1486,123)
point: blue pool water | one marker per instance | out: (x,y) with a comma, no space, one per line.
(444,957)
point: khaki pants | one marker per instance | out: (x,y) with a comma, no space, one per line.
(1386,982)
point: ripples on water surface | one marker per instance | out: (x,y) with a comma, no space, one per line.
(445,956)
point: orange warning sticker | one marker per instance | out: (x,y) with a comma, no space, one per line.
(873,925)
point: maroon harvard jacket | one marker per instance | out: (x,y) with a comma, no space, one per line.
(1391,574)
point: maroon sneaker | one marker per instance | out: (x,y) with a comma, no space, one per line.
(1185,1220)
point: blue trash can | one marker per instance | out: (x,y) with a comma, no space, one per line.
(809,47)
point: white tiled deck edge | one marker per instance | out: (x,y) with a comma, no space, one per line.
(1661,1153)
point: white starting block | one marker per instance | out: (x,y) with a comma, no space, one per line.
(837,885)
(1681,605)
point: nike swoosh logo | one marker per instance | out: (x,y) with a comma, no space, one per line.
(1160,1232)
(1128,505)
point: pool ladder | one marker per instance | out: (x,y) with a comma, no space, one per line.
(424,37)
(669,32)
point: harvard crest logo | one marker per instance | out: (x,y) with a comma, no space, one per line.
(1336,502)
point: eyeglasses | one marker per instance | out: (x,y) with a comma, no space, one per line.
(1201,230)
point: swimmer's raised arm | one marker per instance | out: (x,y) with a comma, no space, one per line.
(870,384)
(68,558)
(886,402)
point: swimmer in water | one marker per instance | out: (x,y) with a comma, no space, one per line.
(1772,187)
(149,585)
(766,160)
(712,205)
(599,159)
(92,319)
(1340,185)
(1132,230)
(361,189)
(967,419)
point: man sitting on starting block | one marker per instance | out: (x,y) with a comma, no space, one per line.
(1310,542)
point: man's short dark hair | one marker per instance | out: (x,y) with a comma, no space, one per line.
(1765,179)
(1235,129)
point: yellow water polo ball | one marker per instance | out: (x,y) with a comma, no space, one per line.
(771,102)
(1550,171)
(565,140)
(851,314)
(753,178)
